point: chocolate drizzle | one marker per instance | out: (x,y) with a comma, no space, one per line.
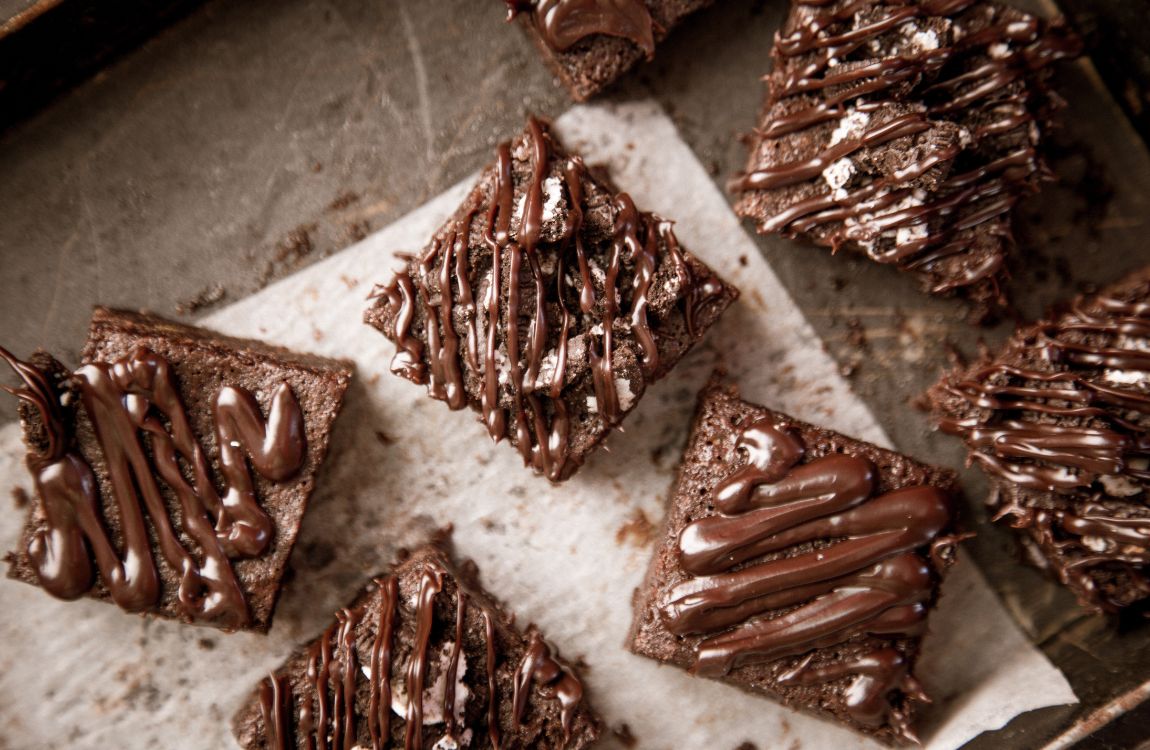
(147,443)
(327,717)
(1064,410)
(974,78)
(564,23)
(540,667)
(540,285)
(804,557)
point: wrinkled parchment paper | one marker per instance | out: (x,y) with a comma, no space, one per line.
(84,674)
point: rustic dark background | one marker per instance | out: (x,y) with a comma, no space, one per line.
(180,155)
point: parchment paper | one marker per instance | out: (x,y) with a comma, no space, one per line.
(84,674)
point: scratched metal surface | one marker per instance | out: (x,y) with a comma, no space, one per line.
(253,138)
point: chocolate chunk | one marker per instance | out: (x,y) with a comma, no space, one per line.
(1059,419)
(798,564)
(424,658)
(590,43)
(548,303)
(906,131)
(172,469)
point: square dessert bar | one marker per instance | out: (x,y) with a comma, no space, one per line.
(905,131)
(590,44)
(424,658)
(1059,419)
(172,469)
(798,564)
(547,303)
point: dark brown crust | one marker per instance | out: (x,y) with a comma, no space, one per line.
(1108,587)
(672,338)
(203,362)
(542,727)
(597,61)
(709,458)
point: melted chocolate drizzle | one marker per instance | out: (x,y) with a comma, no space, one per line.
(859,575)
(539,422)
(989,75)
(135,409)
(1065,423)
(327,715)
(564,23)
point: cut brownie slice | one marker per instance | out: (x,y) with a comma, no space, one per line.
(905,131)
(590,43)
(424,658)
(1060,421)
(547,303)
(172,468)
(799,564)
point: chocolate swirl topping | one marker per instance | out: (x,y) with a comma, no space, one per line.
(149,449)
(507,332)
(804,557)
(325,715)
(563,23)
(953,87)
(1064,412)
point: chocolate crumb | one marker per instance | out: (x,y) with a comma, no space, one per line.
(20,498)
(638,530)
(625,736)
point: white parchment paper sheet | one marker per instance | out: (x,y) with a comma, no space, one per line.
(84,674)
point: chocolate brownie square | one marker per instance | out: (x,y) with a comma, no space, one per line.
(905,131)
(424,658)
(547,303)
(590,43)
(1059,419)
(798,564)
(172,468)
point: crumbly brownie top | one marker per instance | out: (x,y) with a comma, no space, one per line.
(800,564)
(129,506)
(424,658)
(1060,419)
(906,131)
(548,303)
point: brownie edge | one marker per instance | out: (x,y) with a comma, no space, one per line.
(776,528)
(426,620)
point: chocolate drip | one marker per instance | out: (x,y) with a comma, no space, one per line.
(430,586)
(492,685)
(539,666)
(379,679)
(862,576)
(826,58)
(275,707)
(129,401)
(519,389)
(450,706)
(563,23)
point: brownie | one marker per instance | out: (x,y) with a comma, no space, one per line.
(590,43)
(798,564)
(1059,419)
(905,131)
(426,629)
(547,303)
(172,469)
